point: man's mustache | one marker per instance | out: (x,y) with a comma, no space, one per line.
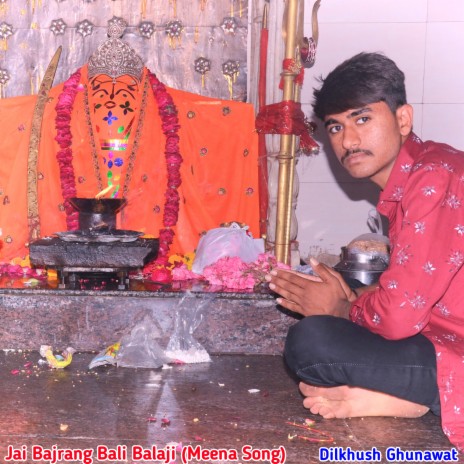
(352,152)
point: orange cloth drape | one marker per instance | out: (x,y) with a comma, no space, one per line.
(219,173)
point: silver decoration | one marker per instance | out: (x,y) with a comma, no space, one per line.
(5,30)
(115,57)
(58,26)
(176,66)
(4,76)
(308,52)
(230,68)
(174,29)
(146,29)
(229,25)
(84,28)
(202,65)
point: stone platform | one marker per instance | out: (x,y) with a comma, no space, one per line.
(229,322)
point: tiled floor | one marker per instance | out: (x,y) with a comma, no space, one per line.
(227,404)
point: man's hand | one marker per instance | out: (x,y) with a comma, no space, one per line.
(308,295)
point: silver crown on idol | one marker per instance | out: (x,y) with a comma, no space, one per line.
(114,57)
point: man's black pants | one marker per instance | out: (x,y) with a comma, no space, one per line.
(331,351)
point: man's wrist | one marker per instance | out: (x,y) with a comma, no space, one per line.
(344,309)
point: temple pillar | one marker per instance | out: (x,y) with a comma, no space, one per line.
(273,95)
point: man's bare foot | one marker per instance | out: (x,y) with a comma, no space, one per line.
(344,401)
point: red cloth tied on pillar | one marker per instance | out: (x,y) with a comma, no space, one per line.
(287,118)
(290,65)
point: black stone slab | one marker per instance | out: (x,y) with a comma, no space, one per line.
(56,253)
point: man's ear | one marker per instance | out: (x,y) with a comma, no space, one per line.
(404,116)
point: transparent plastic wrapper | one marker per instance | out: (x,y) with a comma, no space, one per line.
(232,241)
(140,347)
(182,345)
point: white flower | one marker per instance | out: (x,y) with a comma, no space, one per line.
(430,167)
(460,229)
(447,166)
(429,190)
(453,201)
(416,167)
(398,193)
(419,227)
(419,326)
(451,337)
(406,167)
(444,311)
(428,267)
(418,301)
(456,259)
(403,256)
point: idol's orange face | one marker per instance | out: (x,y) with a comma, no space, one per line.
(367,140)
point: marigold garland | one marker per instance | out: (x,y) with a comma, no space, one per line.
(170,127)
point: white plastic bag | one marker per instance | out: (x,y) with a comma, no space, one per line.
(140,347)
(226,241)
(182,345)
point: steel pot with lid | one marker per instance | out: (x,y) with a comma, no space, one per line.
(364,259)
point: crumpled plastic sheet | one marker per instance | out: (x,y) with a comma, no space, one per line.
(141,346)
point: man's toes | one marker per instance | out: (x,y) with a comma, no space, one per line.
(309,401)
(315,408)
(326,412)
(313,404)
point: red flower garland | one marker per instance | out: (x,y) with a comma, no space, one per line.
(170,127)
(65,155)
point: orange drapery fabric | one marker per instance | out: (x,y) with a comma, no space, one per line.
(219,172)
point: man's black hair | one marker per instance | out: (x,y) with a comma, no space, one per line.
(363,79)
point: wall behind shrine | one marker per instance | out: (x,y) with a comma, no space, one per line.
(425,39)
(195,45)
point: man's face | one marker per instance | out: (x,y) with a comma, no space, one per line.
(367,140)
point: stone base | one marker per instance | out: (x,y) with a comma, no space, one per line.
(228,322)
